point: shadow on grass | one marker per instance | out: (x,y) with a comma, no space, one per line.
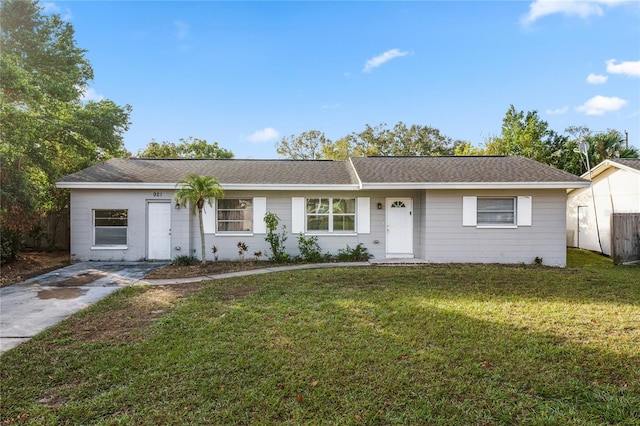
(385,346)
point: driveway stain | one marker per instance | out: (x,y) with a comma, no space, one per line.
(61,293)
(81,279)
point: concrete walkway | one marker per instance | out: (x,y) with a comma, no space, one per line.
(252,272)
(29,307)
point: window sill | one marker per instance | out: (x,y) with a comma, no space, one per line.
(331,234)
(497,226)
(233,234)
(109,247)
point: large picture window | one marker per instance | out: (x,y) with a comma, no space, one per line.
(331,214)
(496,211)
(110,227)
(235,215)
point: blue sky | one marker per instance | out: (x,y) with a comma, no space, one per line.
(245,74)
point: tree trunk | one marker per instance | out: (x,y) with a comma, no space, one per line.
(201,233)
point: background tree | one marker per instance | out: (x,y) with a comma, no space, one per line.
(373,140)
(305,146)
(522,134)
(46,130)
(196,191)
(186,148)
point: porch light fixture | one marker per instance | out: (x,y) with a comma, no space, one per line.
(379,206)
(177,206)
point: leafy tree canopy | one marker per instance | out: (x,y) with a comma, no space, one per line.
(46,130)
(373,140)
(186,148)
(527,135)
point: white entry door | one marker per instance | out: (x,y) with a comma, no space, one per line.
(399,227)
(159,231)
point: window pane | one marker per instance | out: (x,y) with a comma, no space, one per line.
(317,223)
(111,217)
(318,205)
(239,226)
(496,218)
(495,204)
(235,215)
(342,205)
(111,235)
(344,223)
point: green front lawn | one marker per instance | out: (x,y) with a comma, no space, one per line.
(379,345)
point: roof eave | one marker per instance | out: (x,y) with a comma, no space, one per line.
(476,185)
(225,186)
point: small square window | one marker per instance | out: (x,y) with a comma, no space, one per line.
(496,211)
(235,215)
(110,227)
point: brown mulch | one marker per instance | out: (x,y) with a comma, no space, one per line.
(32,263)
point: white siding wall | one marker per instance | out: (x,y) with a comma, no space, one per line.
(83,202)
(280,203)
(616,191)
(437,223)
(447,240)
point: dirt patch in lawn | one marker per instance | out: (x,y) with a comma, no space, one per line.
(128,322)
(32,263)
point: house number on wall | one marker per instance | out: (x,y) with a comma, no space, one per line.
(157,194)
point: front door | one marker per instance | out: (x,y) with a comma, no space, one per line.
(159,231)
(399,227)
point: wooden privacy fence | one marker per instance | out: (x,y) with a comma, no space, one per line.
(625,237)
(51,233)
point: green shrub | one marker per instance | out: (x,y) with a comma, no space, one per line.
(358,253)
(185,260)
(310,249)
(275,240)
(10,245)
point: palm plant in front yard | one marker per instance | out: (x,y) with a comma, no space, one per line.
(197,190)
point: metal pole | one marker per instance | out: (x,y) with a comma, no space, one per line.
(593,197)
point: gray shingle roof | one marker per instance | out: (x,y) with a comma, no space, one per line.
(457,170)
(370,170)
(634,163)
(265,172)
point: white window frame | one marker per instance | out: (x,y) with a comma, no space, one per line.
(217,220)
(330,215)
(513,210)
(97,246)
(523,212)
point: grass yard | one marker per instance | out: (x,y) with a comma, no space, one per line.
(380,345)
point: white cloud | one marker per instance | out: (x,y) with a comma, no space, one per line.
(376,61)
(596,79)
(49,7)
(89,94)
(598,105)
(264,135)
(182,29)
(558,111)
(581,8)
(629,68)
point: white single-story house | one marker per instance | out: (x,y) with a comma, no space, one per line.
(439,209)
(616,189)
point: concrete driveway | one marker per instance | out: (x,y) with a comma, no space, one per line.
(31,306)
